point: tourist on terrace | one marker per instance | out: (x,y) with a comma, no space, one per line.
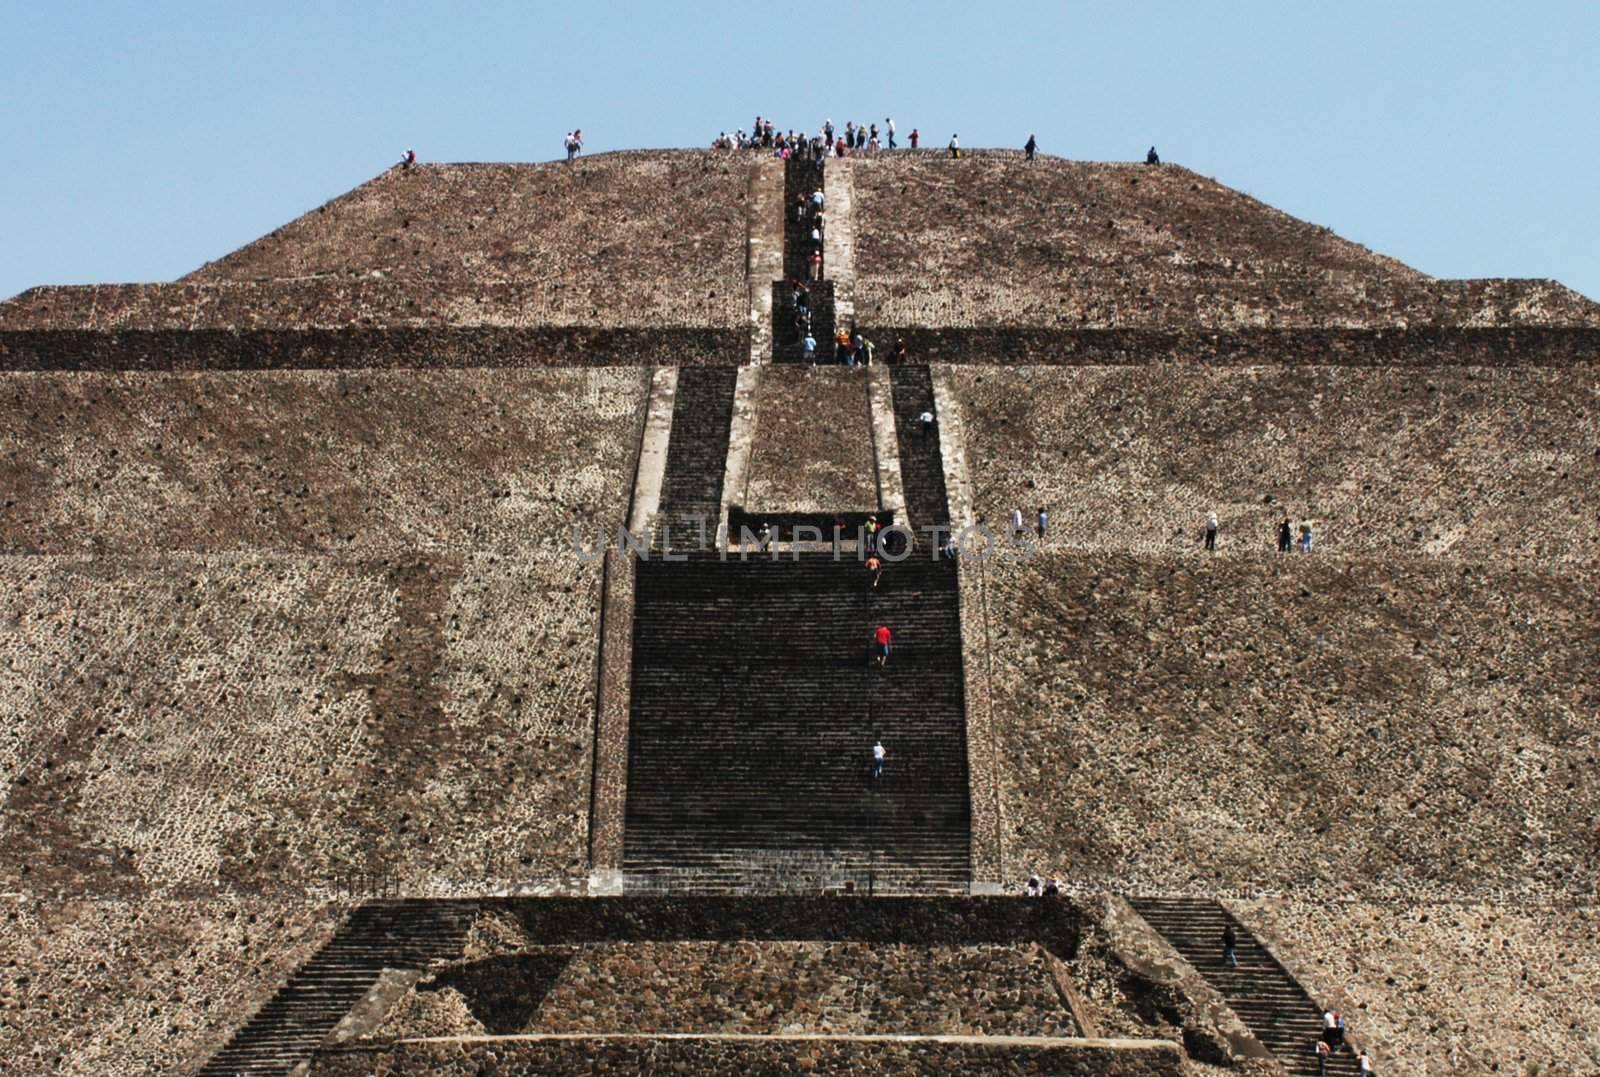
(898,356)
(1211,531)
(955,145)
(1033,888)
(881,638)
(408,158)
(1152,158)
(1052,887)
(1032,147)
(1043,523)
(1285,536)
(888,126)
(1230,946)
(1305,537)
(1016,525)
(877,751)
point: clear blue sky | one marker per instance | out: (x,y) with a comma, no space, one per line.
(138,140)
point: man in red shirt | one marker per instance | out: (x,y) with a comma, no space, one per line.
(882,636)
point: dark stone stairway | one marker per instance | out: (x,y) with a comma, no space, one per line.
(800,179)
(921,457)
(755,707)
(380,935)
(1271,1003)
(697,455)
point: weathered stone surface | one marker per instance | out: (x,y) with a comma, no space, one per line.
(765,988)
(775,1055)
(631,236)
(995,240)
(104,986)
(1312,724)
(1449,988)
(370,462)
(1469,463)
(813,442)
(271,721)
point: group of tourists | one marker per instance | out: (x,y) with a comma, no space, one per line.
(1289,539)
(828,141)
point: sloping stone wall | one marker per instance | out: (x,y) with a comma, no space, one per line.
(275,723)
(632,237)
(1469,988)
(994,240)
(96,986)
(366,462)
(345,347)
(1467,463)
(1315,725)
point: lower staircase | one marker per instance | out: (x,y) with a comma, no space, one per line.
(755,706)
(697,454)
(1271,1003)
(285,1032)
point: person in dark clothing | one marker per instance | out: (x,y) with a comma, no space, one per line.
(1230,946)
(1285,536)
(1152,158)
(1032,147)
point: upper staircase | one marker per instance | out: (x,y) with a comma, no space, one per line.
(921,456)
(697,455)
(800,179)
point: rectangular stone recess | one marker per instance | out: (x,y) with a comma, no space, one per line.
(813,448)
(778,1054)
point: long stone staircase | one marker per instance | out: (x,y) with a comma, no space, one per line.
(756,704)
(286,1031)
(1271,1003)
(921,457)
(800,179)
(697,453)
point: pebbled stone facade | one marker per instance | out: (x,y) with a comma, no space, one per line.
(1467,463)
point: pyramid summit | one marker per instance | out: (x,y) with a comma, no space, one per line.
(440,635)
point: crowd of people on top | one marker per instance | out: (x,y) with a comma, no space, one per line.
(838,142)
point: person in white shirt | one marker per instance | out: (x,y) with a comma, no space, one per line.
(955,145)
(1016,524)
(877,760)
(1211,531)
(1043,523)
(926,418)
(888,125)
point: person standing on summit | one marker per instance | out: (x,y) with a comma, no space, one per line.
(1032,147)
(888,126)
(955,145)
